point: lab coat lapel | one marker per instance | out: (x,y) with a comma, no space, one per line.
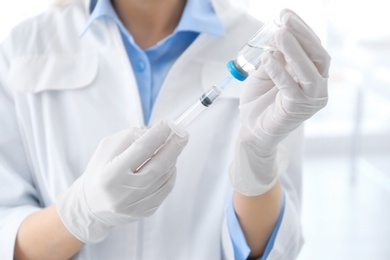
(121,61)
(135,106)
(181,86)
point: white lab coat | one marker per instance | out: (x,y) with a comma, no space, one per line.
(61,93)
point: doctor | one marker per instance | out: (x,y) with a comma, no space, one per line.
(87,91)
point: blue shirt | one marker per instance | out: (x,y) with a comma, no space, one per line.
(152,65)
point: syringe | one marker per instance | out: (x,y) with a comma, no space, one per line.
(205,100)
(247,60)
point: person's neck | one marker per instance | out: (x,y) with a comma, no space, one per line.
(149,21)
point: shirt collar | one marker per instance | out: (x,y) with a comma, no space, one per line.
(198,16)
(100,9)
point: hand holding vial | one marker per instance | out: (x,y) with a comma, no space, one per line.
(247,60)
(288,88)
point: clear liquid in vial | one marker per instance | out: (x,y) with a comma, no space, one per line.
(249,57)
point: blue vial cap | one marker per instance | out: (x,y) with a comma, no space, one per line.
(235,71)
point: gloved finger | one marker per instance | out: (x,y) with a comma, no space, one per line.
(281,77)
(257,84)
(287,14)
(120,141)
(291,97)
(110,147)
(144,181)
(308,40)
(307,73)
(165,158)
(251,113)
(144,148)
(152,141)
(154,199)
(280,58)
(138,204)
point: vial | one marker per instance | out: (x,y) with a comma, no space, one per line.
(248,58)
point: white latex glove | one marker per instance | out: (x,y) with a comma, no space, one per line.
(289,87)
(110,193)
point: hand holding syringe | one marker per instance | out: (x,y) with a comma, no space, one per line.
(247,60)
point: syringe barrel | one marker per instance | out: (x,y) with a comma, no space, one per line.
(190,114)
(210,96)
(205,100)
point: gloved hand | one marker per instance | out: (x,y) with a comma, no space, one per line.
(289,87)
(110,192)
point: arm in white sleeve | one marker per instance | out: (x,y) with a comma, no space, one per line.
(286,240)
(18,194)
(240,247)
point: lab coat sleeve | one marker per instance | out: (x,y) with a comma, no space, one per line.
(240,247)
(286,240)
(18,196)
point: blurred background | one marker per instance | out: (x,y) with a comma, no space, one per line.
(346,196)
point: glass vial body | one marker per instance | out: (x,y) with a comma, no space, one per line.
(249,56)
